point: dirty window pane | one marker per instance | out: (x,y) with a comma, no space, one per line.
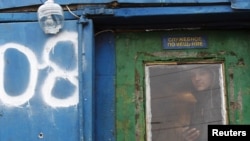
(181,100)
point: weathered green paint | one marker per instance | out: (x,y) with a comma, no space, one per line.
(133,49)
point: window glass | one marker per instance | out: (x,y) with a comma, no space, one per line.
(181,100)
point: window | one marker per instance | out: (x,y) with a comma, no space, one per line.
(181,100)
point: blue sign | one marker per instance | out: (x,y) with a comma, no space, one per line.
(184,42)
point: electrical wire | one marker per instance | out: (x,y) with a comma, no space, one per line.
(108,30)
(72,12)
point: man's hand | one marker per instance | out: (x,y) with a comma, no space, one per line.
(190,134)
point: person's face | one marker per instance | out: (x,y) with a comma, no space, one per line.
(201,79)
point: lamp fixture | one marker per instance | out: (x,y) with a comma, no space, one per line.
(50,17)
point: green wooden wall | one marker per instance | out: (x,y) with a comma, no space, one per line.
(134,49)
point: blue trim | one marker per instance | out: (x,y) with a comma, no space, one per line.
(240,4)
(80,75)
(4,4)
(32,16)
(87,61)
(15,3)
(164,11)
(172,1)
(174,17)
(236,4)
(130,12)
(105,87)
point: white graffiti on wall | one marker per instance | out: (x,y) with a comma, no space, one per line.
(21,99)
(50,80)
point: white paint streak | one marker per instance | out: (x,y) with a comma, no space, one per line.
(223,95)
(59,72)
(30,91)
(51,43)
(55,102)
(148,105)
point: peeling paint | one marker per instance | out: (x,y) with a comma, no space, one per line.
(240,109)
(233,105)
(174,53)
(138,105)
(241,62)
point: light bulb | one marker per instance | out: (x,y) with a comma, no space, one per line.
(50,17)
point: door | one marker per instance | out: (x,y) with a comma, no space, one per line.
(42,85)
(151,81)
